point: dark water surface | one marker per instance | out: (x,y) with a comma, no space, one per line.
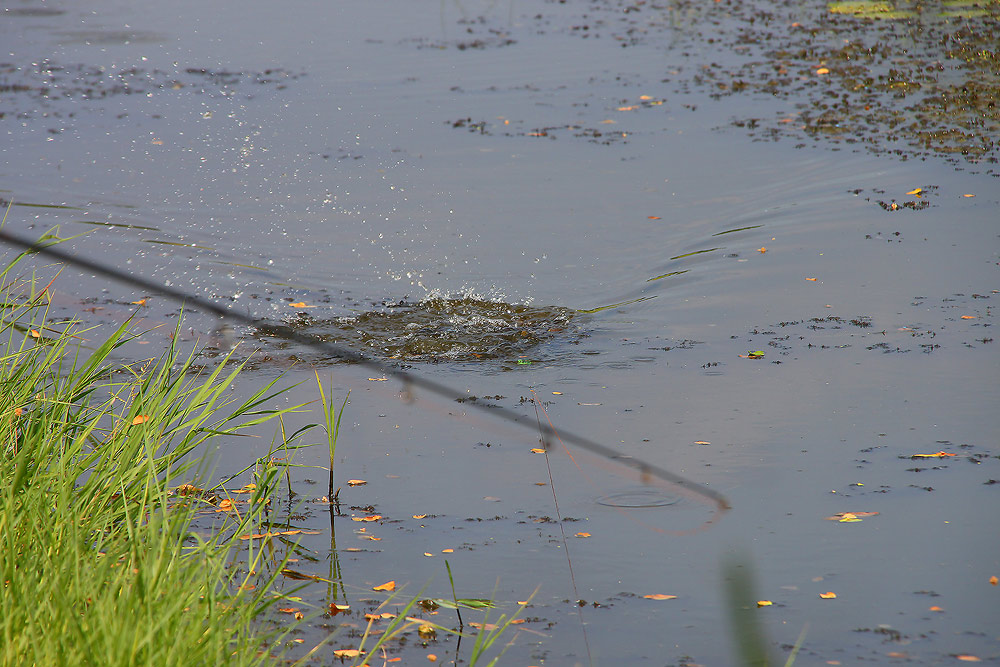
(564,197)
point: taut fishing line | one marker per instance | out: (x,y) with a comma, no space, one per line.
(646,472)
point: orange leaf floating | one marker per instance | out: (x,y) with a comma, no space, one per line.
(373,517)
(762,249)
(822,70)
(916,192)
(338,608)
(537,450)
(388,587)
(935,608)
(994,581)
(583,535)
(968,317)
(653,217)
(419,516)
(659,596)
(811,279)
(702,442)
(346,653)
(140,302)
(968,658)
(35,334)
(829,595)
(764,603)
(140,419)
(378,379)
(936,455)
(447,551)
(847,517)
(968,195)
(356,482)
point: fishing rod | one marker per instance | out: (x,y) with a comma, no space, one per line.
(646,471)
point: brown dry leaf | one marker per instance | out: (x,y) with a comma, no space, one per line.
(764,603)
(659,596)
(994,581)
(335,608)
(388,587)
(373,517)
(829,595)
(140,419)
(346,653)
(968,317)
(583,535)
(288,610)
(356,482)
(140,302)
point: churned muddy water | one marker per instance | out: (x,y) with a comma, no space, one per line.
(753,244)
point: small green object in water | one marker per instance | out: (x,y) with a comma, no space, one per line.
(524,362)
(756,354)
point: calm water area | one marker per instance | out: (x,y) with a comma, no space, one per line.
(592,203)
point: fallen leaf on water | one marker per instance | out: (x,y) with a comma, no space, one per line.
(140,302)
(762,249)
(288,610)
(429,554)
(388,586)
(753,354)
(829,595)
(917,191)
(935,608)
(335,608)
(373,517)
(537,450)
(608,122)
(702,442)
(811,279)
(847,517)
(968,658)
(356,482)
(140,419)
(936,455)
(994,581)
(764,603)
(968,195)
(659,596)
(431,657)
(582,535)
(35,334)
(631,108)
(447,551)
(653,217)
(419,516)
(557,393)
(225,505)
(378,379)
(968,317)
(346,653)
(822,70)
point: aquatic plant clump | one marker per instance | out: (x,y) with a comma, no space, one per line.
(444,328)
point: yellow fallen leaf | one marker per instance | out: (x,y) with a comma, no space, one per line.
(419,516)
(659,596)
(764,603)
(917,191)
(968,195)
(583,535)
(388,587)
(968,658)
(702,442)
(822,70)
(347,653)
(356,482)
(968,317)
(829,595)
(537,450)
(373,517)
(378,379)
(447,551)
(557,393)
(429,554)
(936,455)
(140,302)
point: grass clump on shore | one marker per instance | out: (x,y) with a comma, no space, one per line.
(99,560)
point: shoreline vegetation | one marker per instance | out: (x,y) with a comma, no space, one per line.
(116,549)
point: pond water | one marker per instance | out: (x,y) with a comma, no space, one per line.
(611,207)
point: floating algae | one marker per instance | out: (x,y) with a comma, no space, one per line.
(437,329)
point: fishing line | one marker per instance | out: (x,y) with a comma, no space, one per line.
(410,381)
